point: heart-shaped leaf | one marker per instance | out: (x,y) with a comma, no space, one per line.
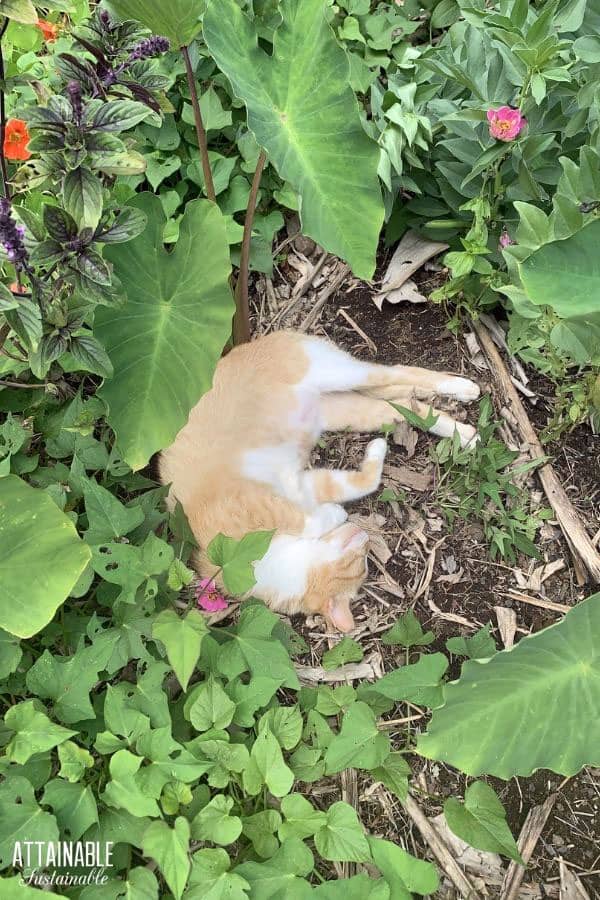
(303,111)
(41,557)
(165,341)
(481,821)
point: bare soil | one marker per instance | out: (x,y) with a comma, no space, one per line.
(464,581)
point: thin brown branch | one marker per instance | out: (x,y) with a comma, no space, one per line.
(200,130)
(21,385)
(241,321)
(582,549)
(440,850)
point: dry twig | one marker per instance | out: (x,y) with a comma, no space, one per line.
(530,834)
(440,850)
(581,546)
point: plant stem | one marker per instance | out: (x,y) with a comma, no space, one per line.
(5,183)
(241,321)
(200,130)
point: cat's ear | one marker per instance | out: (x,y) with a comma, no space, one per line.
(339,612)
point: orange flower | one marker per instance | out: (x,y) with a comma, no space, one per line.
(16,138)
(49,30)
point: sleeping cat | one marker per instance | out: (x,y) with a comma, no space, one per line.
(240,463)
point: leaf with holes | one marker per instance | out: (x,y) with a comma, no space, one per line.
(303,111)
(541,691)
(164,343)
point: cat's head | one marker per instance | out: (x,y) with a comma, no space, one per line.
(335,583)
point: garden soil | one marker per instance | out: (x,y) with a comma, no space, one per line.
(464,583)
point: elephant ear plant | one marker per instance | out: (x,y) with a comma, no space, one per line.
(303,114)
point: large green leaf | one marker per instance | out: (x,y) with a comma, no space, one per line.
(302,110)
(164,343)
(41,557)
(566,274)
(531,707)
(179,20)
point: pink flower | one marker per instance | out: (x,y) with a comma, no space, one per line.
(505,123)
(208,596)
(505,240)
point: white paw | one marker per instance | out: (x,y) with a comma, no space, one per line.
(468,435)
(462,389)
(376,450)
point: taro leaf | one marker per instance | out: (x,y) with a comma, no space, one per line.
(419,682)
(267,767)
(21,819)
(33,731)
(408,632)
(542,692)
(359,744)
(347,650)
(166,340)
(281,876)
(566,274)
(19,10)
(214,822)
(481,821)
(481,645)
(235,559)
(10,654)
(303,111)
(182,637)
(179,20)
(342,837)
(41,557)
(73,805)
(301,819)
(404,874)
(211,878)
(169,848)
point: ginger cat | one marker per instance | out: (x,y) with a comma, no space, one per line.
(240,463)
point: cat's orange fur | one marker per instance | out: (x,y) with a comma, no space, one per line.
(241,462)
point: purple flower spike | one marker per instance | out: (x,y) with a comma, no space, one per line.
(11,236)
(149,47)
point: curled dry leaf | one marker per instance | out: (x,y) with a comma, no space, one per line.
(507,625)
(409,256)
